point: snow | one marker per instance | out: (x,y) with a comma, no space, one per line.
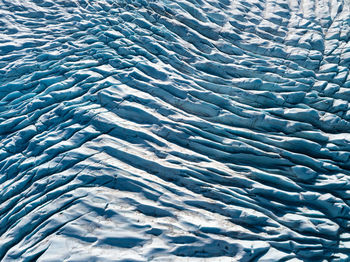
(134,130)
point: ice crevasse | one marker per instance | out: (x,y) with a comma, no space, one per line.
(185,130)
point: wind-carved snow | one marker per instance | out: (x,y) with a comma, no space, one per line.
(168,130)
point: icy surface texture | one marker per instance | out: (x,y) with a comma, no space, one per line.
(167,130)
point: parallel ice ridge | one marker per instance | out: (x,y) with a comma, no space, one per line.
(159,130)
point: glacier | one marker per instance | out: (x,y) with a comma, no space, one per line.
(184,130)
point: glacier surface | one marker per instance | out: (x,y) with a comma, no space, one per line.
(186,130)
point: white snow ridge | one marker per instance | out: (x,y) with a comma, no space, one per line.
(174,130)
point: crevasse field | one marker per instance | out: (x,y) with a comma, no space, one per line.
(185,130)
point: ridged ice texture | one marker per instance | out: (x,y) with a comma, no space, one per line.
(168,130)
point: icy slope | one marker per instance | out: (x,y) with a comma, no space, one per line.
(159,130)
